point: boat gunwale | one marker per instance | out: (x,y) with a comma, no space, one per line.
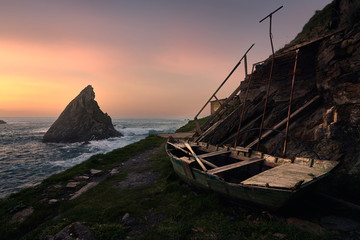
(266,157)
(213,176)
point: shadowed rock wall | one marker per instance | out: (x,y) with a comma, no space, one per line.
(329,68)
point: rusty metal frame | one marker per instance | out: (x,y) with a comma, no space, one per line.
(271,36)
(271,70)
(290,103)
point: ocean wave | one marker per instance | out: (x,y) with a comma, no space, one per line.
(137,131)
(67,163)
(25,160)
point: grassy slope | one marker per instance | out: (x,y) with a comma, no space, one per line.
(319,23)
(190,126)
(168,209)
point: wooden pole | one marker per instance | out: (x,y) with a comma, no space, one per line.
(189,154)
(266,101)
(236,66)
(244,106)
(290,102)
(245,66)
(284,121)
(272,66)
(195,156)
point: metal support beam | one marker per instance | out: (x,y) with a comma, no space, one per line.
(290,102)
(272,66)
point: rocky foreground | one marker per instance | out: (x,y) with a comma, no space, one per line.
(82,120)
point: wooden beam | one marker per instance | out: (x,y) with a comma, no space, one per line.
(189,154)
(212,154)
(284,121)
(195,156)
(234,165)
(198,128)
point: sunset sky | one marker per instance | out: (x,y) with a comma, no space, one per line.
(144,58)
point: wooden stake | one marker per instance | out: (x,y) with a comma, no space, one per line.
(290,102)
(195,156)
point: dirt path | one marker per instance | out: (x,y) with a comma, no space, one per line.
(80,184)
(136,177)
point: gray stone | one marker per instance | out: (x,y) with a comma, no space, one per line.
(52,201)
(20,216)
(125,217)
(72,184)
(75,231)
(95,171)
(114,171)
(306,226)
(82,177)
(81,121)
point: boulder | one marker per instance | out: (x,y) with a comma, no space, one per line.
(74,231)
(82,120)
(2,122)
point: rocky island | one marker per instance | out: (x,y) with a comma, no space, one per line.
(82,120)
(2,122)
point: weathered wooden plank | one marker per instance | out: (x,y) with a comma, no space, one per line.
(181,146)
(195,156)
(285,176)
(242,149)
(198,128)
(185,162)
(234,165)
(212,154)
(284,121)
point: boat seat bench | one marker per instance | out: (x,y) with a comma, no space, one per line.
(289,175)
(212,154)
(234,165)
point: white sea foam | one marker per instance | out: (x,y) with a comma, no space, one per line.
(40,130)
(25,160)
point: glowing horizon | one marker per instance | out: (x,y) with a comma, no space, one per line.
(148,59)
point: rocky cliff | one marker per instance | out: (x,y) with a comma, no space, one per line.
(82,120)
(327,73)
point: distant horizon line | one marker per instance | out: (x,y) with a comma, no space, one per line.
(128,117)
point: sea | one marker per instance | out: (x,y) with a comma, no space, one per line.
(25,160)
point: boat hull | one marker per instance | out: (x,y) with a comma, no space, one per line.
(267,197)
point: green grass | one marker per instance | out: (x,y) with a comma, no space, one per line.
(191,126)
(43,212)
(319,23)
(168,209)
(317,26)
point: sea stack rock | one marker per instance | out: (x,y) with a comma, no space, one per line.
(2,122)
(82,120)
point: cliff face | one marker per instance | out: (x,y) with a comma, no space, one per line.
(82,120)
(328,67)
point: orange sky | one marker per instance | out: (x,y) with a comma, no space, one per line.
(144,58)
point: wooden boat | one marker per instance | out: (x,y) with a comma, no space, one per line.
(245,174)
